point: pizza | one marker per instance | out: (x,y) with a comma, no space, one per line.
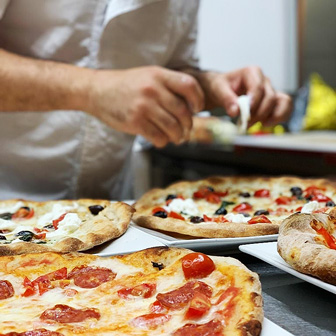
(158,291)
(231,206)
(307,242)
(60,226)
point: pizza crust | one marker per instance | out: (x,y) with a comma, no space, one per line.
(298,247)
(145,204)
(109,224)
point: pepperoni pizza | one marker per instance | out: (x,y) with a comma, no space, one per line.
(159,291)
(232,206)
(60,226)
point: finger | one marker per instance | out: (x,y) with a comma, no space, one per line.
(178,108)
(153,134)
(168,124)
(228,97)
(267,104)
(253,82)
(187,87)
(282,110)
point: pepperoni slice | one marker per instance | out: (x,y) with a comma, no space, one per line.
(212,328)
(37,332)
(6,289)
(179,298)
(145,290)
(91,277)
(150,321)
(66,314)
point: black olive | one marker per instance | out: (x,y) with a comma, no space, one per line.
(261,212)
(296,191)
(2,237)
(221,211)
(330,204)
(171,197)
(244,214)
(158,265)
(26,208)
(95,209)
(6,215)
(245,194)
(25,235)
(49,226)
(210,188)
(161,214)
(196,219)
(309,197)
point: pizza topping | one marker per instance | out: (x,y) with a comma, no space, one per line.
(262,193)
(320,229)
(196,219)
(242,207)
(23,213)
(330,203)
(296,191)
(283,200)
(222,209)
(90,277)
(6,216)
(158,265)
(170,197)
(197,265)
(211,328)
(2,237)
(36,332)
(6,289)
(199,306)
(310,207)
(160,212)
(245,194)
(66,314)
(150,321)
(56,221)
(157,307)
(95,209)
(261,212)
(25,235)
(145,290)
(185,206)
(237,218)
(259,219)
(209,194)
(179,298)
(175,215)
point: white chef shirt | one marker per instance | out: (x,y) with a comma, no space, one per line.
(69,154)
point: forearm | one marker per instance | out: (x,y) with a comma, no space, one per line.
(36,85)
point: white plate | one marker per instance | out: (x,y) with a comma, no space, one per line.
(224,243)
(268,252)
(131,241)
(271,329)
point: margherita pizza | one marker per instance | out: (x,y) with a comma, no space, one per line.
(158,291)
(60,226)
(232,206)
(308,243)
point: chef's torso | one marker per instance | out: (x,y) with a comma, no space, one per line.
(69,154)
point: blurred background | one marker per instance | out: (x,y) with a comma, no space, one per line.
(294,42)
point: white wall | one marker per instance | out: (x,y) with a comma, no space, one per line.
(237,33)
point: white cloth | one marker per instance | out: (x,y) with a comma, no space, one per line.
(69,154)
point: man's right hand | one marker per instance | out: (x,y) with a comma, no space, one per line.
(151,101)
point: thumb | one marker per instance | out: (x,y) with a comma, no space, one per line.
(228,99)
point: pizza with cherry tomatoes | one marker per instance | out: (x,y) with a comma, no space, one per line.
(60,226)
(231,206)
(307,242)
(158,291)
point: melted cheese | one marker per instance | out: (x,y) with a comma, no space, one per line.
(310,207)
(68,225)
(185,206)
(57,211)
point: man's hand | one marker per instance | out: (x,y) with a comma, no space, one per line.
(267,105)
(152,101)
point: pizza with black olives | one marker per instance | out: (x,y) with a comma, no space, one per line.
(60,226)
(232,206)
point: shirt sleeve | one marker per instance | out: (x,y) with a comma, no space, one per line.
(185,53)
(3,5)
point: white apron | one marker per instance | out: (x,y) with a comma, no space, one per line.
(69,154)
